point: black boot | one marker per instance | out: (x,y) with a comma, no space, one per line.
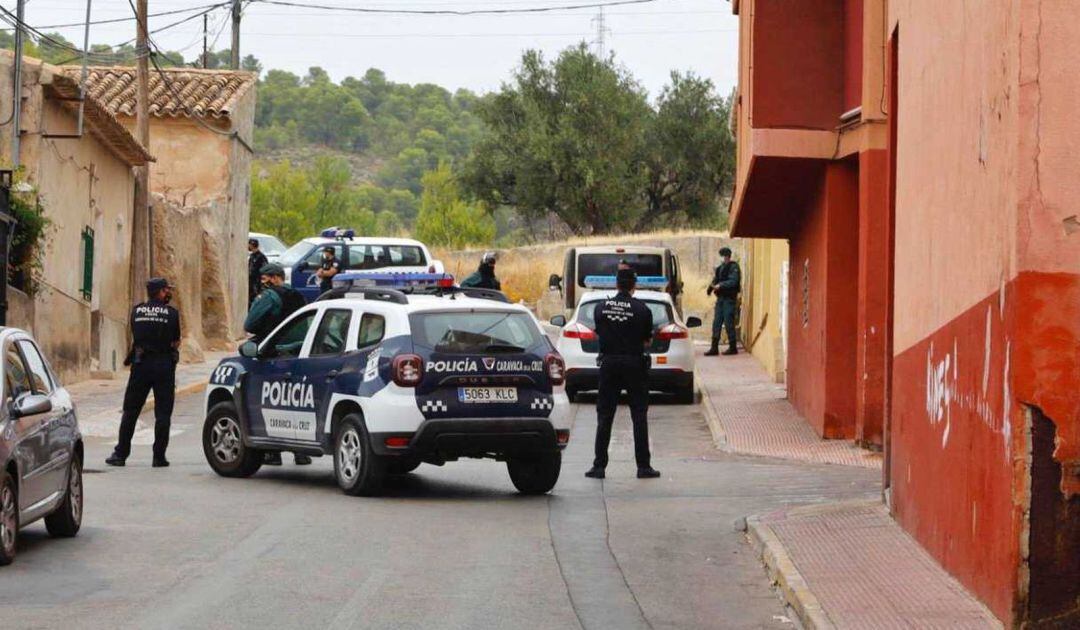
(714,349)
(595,473)
(730,351)
(115,460)
(301,459)
(647,472)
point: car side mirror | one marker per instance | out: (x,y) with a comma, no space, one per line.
(558,320)
(249,349)
(693,322)
(31,405)
(555,282)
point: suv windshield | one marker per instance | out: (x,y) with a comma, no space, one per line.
(460,332)
(608,264)
(376,256)
(295,253)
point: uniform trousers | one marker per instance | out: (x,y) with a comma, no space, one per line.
(155,372)
(618,373)
(724,316)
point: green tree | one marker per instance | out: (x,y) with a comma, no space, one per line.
(690,160)
(445,220)
(565,137)
(282,201)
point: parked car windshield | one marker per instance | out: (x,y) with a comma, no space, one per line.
(271,245)
(460,332)
(376,256)
(607,264)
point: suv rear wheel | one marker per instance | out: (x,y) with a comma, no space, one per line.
(66,520)
(358,470)
(536,474)
(223,443)
(9,518)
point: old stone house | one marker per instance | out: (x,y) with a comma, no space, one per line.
(200,135)
(85,186)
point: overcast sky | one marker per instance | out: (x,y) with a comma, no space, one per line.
(476,52)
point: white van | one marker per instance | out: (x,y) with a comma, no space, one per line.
(603,260)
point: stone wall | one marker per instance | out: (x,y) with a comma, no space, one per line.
(177,253)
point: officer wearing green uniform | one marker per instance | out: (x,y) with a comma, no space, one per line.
(274,305)
(726,284)
(484,276)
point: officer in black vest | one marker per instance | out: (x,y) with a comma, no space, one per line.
(276,302)
(726,284)
(155,330)
(256,261)
(625,327)
(328,269)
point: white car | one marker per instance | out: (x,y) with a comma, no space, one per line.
(383,379)
(269,245)
(671,351)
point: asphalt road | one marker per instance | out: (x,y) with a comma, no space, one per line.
(445,547)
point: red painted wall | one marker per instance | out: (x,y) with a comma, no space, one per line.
(873,305)
(853,54)
(797,47)
(822,305)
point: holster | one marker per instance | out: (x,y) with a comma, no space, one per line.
(134,356)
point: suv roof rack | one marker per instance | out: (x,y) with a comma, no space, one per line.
(369,293)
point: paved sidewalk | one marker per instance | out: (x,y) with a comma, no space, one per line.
(750,414)
(99,401)
(849,565)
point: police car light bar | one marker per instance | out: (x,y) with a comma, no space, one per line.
(643,282)
(336,232)
(393,280)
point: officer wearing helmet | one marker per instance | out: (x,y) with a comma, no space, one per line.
(484,276)
(275,304)
(155,331)
(624,325)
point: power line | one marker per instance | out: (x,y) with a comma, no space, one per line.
(590,5)
(492,35)
(208,7)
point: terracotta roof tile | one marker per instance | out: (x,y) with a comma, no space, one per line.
(203,93)
(100,122)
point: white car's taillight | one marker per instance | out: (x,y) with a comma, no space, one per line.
(556,368)
(408,370)
(672,331)
(579,331)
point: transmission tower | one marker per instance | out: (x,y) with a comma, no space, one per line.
(602,31)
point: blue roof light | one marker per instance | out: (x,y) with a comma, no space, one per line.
(336,232)
(392,280)
(658,283)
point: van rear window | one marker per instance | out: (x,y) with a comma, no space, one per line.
(608,264)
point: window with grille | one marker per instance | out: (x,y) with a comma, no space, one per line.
(87,288)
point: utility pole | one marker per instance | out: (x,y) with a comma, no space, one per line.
(16,104)
(140,228)
(235,50)
(205,53)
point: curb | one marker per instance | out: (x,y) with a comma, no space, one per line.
(783,572)
(712,418)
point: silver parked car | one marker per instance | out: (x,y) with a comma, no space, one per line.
(41,449)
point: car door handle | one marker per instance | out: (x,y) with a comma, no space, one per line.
(287,375)
(332,374)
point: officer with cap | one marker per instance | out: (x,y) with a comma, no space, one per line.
(276,302)
(726,284)
(256,261)
(155,330)
(625,327)
(484,276)
(328,269)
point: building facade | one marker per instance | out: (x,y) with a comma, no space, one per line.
(85,186)
(201,129)
(765,303)
(915,154)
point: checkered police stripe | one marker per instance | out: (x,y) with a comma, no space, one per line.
(542,404)
(432,405)
(618,318)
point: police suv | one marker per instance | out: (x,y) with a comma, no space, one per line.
(384,378)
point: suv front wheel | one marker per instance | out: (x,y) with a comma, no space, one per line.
(535,474)
(9,518)
(223,443)
(359,471)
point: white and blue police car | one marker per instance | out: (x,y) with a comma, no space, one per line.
(404,370)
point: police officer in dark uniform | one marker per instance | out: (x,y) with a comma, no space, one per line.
(484,276)
(275,303)
(328,269)
(155,330)
(726,284)
(625,326)
(256,261)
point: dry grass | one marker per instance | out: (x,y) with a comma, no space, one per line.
(524,277)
